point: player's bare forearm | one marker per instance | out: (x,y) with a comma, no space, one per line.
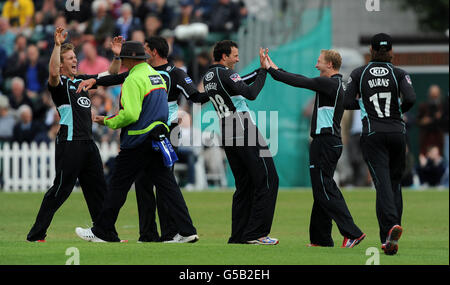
(115,66)
(54,65)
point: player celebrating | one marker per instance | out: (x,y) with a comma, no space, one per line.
(255,175)
(325,149)
(76,154)
(383,92)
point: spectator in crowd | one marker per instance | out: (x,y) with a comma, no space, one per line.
(47,136)
(102,25)
(431,167)
(92,62)
(19,14)
(7,120)
(226,17)
(202,9)
(444,127)
(6,36)
(18,57)
(26,128)
(32,70)
(428,119)
(186,16)
(152,26)
(138,36)
(174,48)
(163,11)
(19,96)
(126,24)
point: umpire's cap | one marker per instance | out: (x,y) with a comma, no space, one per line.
(381,40)
(134,50)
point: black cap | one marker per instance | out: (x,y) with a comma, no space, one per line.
(381,40)
(133,49)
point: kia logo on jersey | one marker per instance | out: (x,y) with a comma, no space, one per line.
(84,102)
(379,71)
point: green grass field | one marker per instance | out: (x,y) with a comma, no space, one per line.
(425,240)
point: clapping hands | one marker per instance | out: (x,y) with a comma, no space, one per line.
(265,60)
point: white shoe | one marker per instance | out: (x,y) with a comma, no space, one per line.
(181,239)
(87,234)
(264,241)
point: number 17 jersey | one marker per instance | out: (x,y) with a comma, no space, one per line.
(383,93)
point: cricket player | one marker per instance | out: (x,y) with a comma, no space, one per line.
(383,92)
(325,149)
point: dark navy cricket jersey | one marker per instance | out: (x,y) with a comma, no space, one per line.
(383,92)
(328,105)
(74,109)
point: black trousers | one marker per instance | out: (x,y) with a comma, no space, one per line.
(148,202)
(385,155)
(329,204)
(256,192)
(73,159)
(128,165)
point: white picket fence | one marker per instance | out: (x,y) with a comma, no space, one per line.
(31,167)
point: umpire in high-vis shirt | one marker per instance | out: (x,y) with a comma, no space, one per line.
(144,145)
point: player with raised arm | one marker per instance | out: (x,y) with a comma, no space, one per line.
(76,154)
(325,150)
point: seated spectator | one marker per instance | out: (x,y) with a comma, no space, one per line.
(47,136)
(152,26)
(431,167)
(6,36)
(7,120)
(92,62)
(138,35)
(102,25)
(18,57)
(25,129)
(226,18)
(126,24)
(19,13)
(19,96)
(429,118)
(186,16)
(33,71)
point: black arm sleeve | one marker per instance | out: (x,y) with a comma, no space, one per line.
(251,77)
(238,87)
(318,84)
(113,79)
(407,93)
(199,97)
(351,92)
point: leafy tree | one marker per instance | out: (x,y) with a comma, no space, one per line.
(433,15)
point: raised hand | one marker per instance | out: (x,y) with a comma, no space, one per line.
(85,85)
(263,58)
(60,37)
(272,64)
(116,45)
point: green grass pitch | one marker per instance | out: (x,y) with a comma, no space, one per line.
(425,240)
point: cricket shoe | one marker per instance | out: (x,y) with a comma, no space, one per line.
(39,240)
(391,245)
(87,234)
(350,243)
(264,241)
(181,239)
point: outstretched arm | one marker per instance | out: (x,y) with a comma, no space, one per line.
(55,62)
